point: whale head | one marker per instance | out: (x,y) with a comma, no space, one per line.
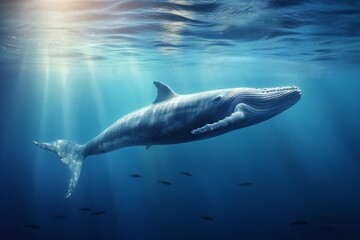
(259,104)
(248,106)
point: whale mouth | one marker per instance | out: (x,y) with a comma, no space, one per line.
(255,105)
(265,103)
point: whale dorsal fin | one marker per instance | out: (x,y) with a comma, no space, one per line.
(164,92)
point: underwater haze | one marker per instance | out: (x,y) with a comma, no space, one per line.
(69,69)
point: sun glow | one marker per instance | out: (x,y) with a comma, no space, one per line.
(52,36)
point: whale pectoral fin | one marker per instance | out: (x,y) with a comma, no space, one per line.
(148,146)
(233,118)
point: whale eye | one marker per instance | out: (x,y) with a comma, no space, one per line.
(218,98)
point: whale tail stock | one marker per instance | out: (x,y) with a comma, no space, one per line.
(71,154)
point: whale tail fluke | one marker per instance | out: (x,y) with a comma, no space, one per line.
(69,153)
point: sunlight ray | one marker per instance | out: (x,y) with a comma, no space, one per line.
(43,125)
(99,102)
(44,107)
(66,101)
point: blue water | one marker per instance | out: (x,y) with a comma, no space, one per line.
(68,69)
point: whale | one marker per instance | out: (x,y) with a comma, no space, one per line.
(178,118)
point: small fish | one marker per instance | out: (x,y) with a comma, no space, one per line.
(300,222)
(165,182)
(34,226)
(186,174)
(245,184)
(60,217)
(99,212)
(208,218)
(135,175)
(84,209)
